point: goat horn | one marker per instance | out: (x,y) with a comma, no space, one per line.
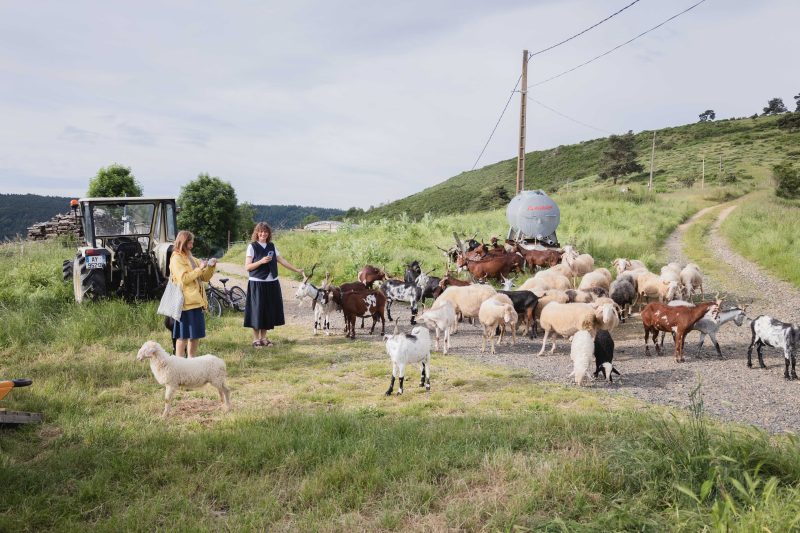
(396,329)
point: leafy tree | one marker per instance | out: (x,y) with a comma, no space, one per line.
(687,181)
(208,209)
(246,215)
(788,179)
(775,107)
(797,103)
(790,121)
(308,219)
(707,115)
(619,158)
(354,213)
(114,180)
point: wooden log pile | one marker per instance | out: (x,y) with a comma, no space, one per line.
(61,224)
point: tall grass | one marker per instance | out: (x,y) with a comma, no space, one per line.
(313,445)
(764,229)
(604,222)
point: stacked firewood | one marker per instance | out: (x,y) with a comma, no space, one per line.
(61,224)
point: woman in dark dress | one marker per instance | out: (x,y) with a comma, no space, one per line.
(264,309)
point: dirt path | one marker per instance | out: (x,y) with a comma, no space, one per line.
(731,391)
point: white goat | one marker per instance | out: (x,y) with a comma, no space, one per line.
(174,372)
(321,302)
(442,318)
(405,348)
(581,353)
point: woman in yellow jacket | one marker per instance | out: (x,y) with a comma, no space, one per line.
(189,273)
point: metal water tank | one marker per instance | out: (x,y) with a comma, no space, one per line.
(534,215)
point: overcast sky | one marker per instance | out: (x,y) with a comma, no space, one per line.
(355,103)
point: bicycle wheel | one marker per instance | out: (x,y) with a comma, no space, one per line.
(214,306)
(238,298)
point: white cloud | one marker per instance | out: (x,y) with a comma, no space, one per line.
(355,103)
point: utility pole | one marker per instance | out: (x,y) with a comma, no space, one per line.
(652,157)
(522,124)
(703,181)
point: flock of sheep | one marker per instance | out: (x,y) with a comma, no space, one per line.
(585,312)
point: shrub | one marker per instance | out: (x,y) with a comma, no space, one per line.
(687,181)
(789,122)
(788,180)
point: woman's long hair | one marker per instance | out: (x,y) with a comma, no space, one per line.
(181,240)
(261,226)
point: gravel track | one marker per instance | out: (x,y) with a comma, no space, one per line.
(731,391)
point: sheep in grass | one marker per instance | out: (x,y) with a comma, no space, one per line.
(497,312)
(440,319)
(174,372)
(581,353)
(405,348)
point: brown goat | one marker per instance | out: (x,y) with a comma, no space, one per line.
(538,258)
(678,319)
(370,274)
(360,303)
(449,279)
(494,266)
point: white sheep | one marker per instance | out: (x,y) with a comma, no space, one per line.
(652,286)
(173,372)
(567,319)
(581,353)
(626,265)
(441,319)
(692,279)
(554,279)
(405,348)
(580,264)
(497,312)
(466,300)
(598,278)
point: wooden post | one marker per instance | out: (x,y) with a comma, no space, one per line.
(652,157)
(522,124)
(720,171)
(703,181)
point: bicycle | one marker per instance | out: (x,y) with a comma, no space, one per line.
(233,298)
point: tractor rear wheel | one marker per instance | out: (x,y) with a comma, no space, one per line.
(66,269)
(87,284)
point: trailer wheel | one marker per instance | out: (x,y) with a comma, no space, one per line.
(87,284)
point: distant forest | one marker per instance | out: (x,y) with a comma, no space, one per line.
(291,216)
(18,211)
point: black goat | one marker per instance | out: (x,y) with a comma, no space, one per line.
(525,304)
(604,354)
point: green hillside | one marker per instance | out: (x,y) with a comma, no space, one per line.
(18,211)
(748,147)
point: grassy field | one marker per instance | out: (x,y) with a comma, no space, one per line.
(601,221)
(313,445)
(745,147)
(765,230)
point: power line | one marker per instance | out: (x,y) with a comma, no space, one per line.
(582,32)
(617,47)
(514,90)
(559,113)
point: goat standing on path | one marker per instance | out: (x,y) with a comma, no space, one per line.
(768,331)
(405,348)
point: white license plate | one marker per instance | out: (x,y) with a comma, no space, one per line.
(95,261)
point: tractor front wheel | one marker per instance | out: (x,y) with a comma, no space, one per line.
(87,284)
(66,269)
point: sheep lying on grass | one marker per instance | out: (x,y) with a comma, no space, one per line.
(174,372)
(405,348)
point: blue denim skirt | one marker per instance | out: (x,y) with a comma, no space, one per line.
(191,326)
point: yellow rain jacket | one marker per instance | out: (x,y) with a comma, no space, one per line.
(190,280)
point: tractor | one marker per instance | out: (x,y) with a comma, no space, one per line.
(127,243)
